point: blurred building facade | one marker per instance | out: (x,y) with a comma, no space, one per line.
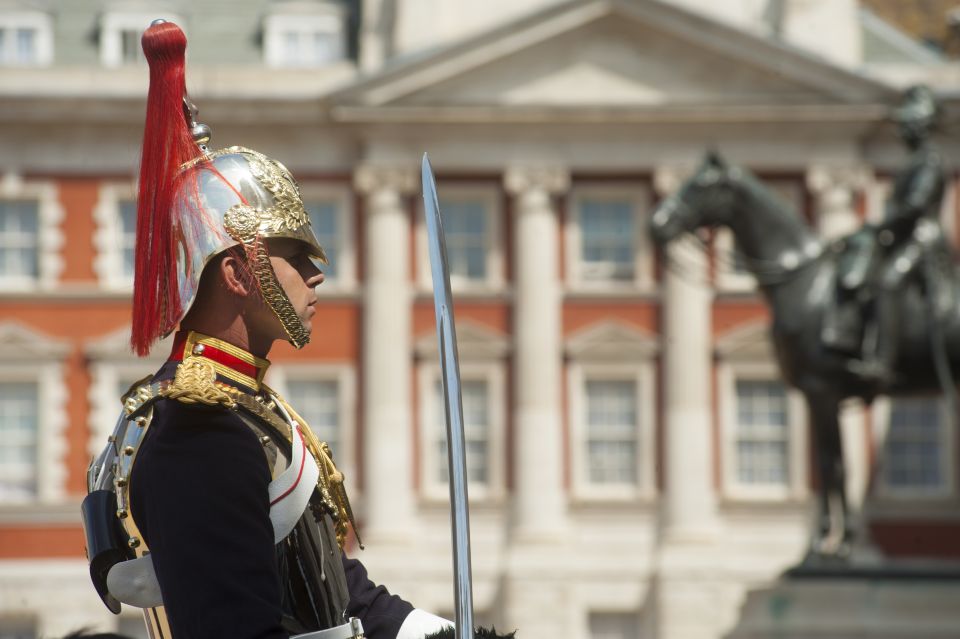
(636,465)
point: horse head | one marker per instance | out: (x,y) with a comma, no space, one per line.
(705,199)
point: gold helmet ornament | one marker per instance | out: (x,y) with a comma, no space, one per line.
(193,204)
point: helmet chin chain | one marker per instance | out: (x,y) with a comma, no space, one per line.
(243,223)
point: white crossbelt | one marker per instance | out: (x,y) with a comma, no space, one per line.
(134,582)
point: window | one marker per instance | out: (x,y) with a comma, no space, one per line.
(611,411)
(607,228)
(318,402)
(331,216)
(763,423)
(465,232)
(305,40)
(31,237)
(917,450)
(614,625)
(324,220)
(470,217)
(32,416)
(26,40)
(476,429)
(763,437)
(127,237)
(120,34)
(611,439)
(115,235)
(19,424)
(612,414)
(19,242)
(606,238)
(482,395)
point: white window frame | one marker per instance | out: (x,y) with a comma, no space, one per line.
(50,238)
(27,356)
(42,24)
(578,374)
(114,22)
(491,372)
(326,18)
(639,195)
(279,374)
(947,490)
(491,196)
(728,373)
(108,262)
(346,279)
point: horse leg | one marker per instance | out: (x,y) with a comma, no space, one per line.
(829,461)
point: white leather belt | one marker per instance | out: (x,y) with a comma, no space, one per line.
(353,629)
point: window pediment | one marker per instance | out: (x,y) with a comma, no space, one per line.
(18,342)
(612,340)
(115,346)
(474,341)
(748,342)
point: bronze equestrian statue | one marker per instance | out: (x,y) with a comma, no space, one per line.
(872,314)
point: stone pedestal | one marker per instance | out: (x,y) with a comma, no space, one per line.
(852,608)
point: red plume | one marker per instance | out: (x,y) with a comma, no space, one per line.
(167,145)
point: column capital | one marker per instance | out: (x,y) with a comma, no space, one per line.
(824,177)
(523,178)
(667,178)
(370,178)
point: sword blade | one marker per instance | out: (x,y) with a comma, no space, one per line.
(453,406)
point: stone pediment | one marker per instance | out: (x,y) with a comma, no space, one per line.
(115,347)
(19,342)
(611,340)
(749,342)
(614,53)
(474,342)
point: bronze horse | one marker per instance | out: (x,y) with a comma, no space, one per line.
(795,272)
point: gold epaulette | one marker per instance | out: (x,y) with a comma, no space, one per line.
(195,382)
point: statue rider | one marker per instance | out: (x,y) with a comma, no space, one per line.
(882,259)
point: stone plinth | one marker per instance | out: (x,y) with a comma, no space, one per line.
(852,608)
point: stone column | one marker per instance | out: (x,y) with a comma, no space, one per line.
(537,559)
(386,384)
(689,500)
(688,574)
(834,190)
(539,496)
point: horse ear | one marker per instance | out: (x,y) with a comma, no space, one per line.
(715,159)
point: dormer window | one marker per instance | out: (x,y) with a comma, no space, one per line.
(25,39)
(305,40)
(120,34)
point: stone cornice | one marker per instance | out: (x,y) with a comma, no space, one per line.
(521,179)
(373,178)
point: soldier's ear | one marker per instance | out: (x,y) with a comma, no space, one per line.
(234,273)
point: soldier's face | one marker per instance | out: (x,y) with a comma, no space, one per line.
(297,275)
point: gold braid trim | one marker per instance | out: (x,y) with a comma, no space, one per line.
(195,382)
(331,481)
(242,223)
